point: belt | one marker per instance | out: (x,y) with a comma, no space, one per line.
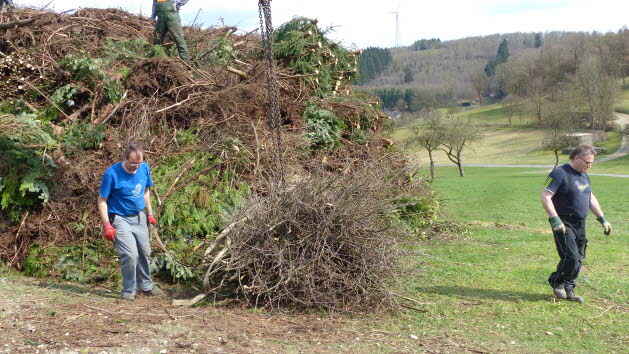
(162,0)
(571,217)
(112,216)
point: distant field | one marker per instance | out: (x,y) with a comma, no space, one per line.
(618,166)
(622,105)
(503,144)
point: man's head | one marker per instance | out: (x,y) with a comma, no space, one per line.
(581,158)
(133,156)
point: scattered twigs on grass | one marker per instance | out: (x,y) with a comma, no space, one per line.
(141,313)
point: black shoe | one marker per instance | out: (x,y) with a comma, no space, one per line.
(560,293)
(572,297)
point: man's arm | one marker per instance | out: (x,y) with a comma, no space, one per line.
(595,206)
(555,222)
(547,203)
(102,209)
(147,201)
(149,208)
(596,209)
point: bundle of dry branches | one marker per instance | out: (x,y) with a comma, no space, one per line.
(325,243)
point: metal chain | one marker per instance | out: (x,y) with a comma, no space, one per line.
(273,111)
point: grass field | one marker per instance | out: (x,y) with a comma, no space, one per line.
(488,287)
(517,144)
(622,104)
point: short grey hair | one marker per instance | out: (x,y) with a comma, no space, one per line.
(581,151)
(133,146)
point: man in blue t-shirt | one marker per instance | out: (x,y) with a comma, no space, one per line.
(567,198)
(124,193)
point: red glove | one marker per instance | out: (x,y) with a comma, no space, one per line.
(151,220)
(109,231)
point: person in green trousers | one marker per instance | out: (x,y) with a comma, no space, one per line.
(9,4)
(168,20)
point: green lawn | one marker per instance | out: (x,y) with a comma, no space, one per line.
(618,166)
(622,104)
(504,144)
(487,288)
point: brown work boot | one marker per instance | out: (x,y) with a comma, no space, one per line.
(572,297)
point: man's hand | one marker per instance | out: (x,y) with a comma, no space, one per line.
(557,224)
(607,227)
(109,231)
(151,220)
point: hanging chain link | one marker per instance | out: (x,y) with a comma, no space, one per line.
(273,111)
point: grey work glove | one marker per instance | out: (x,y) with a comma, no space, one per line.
(607,227)
(557,224)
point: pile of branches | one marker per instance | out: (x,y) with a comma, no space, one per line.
(326,66)
(94,82)
(328,242)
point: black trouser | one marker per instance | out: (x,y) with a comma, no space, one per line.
(571,248)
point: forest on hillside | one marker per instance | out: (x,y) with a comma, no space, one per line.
(534,71)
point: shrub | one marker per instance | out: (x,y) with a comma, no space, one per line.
(23,178)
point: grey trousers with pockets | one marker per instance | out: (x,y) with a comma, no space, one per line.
(134,249)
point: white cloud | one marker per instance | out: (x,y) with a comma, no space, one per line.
(371,23)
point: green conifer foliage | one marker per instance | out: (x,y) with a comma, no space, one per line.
(303,47)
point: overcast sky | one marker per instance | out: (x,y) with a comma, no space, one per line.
(372,23)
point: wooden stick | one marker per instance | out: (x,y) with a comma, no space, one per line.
(238,72)
(47,98)
(16,236)
(115,108)
(241,62)
(14,24)
(172,185)
(408,298)
(173,105)
(413,308)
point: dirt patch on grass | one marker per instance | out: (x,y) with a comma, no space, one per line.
(498,225)
(43,316)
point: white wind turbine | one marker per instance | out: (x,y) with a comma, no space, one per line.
(397,24)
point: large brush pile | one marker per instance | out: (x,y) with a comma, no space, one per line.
(76,87)
(328,241)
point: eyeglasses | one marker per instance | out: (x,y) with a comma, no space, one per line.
(134,164)
(587,162)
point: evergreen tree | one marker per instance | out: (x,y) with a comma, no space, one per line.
(503,52)
(501,57)
(538,40)
(408,75)
(373,61)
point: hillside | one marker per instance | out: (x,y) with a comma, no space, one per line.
(446,69)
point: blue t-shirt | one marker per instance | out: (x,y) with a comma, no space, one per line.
(571,191)
(125,191)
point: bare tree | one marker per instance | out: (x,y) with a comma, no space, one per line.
(459,134)
(559,123)
(512,104)
(598,90)
(428,134)
(479,79)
